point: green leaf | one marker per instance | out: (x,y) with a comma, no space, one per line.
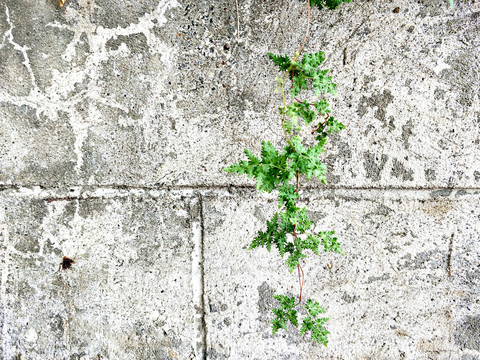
(310,62)
(314,324)
(299,82)
(301,110)
(287,196)
(269,172)
(301,221)
(319,332)
(285,223)
(306,161)
(245,167)
(314,308)
(295,218)
(266,238)
(283,62)
(323,84)
(322,107)
(305,71)
(451,3)
(312,242)
(331,4)
(293,259)
(330,243)
(284,313)
(326,129)
(333,125)
(291,125)
(273,235)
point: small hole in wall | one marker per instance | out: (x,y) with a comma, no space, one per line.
(66,263)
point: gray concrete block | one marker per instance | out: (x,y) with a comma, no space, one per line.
(128,294)
(35,147)
(163,93)
(103,101)
(389,297)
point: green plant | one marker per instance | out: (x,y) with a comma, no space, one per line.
(289,229)
(306,125)
(331,4)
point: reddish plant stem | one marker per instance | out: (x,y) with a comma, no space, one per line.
(304,38)
(326,118)
(302,102)
(314,130)
(299,268)
(300,282)
(306,31)
(301,278)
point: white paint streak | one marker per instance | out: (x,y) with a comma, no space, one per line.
(56,96)
(63,83)
(31,335)
(22,49)
(441,65)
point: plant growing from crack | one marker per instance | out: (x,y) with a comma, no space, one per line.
(306,125)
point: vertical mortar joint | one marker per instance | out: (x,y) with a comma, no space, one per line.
(199,342)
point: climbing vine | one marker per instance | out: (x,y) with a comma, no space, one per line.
(303,122)
(306,125)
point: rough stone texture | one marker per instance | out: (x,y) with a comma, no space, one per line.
(116,120)
(127,294)
(136,87)
(389,297)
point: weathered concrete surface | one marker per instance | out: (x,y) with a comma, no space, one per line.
(122,92)
(128,294)
(106,105)
(389,297)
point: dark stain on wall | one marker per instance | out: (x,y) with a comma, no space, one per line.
(380,101)
(374,165)
(400,172)
(467,333)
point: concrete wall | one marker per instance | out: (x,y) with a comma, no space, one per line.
(116,119)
